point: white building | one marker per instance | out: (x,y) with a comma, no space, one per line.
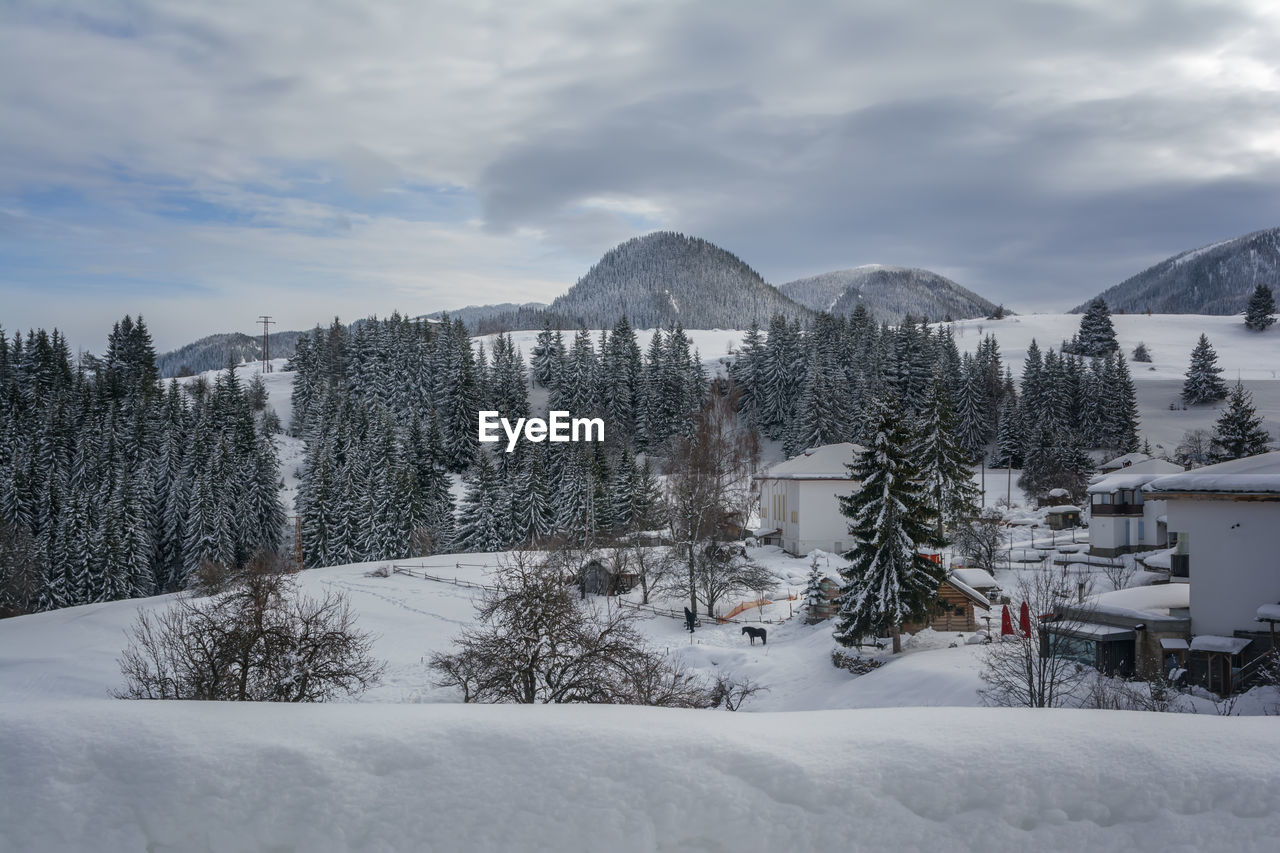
(799,500)
(1122,518)
(1226,521)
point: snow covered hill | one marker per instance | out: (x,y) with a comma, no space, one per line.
(1213,279)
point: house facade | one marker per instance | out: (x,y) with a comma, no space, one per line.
(1226,522)
(1123,518)
(799,500)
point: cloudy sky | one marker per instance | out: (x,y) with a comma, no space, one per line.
(203,163)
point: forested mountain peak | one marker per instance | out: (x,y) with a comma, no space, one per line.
(1214,279)
(664,277)
(889,293)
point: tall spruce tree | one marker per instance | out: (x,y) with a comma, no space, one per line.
(948,484)
(1259,313)
(888,581)
(1239,431)
(1097,335)
(1204,383)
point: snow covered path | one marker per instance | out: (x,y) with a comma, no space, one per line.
(107,775)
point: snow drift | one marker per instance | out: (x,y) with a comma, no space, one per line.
(107,775)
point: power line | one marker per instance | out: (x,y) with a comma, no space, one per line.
(266,321)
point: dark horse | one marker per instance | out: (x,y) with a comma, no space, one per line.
(756,632)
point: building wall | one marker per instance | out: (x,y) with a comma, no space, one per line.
(815,507)
(1119,534)
(1235,565)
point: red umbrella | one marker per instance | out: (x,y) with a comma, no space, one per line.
(1006,621)
(1024,620)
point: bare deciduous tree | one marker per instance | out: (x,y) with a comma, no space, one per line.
(708,484)
(537,642)
(259,641)
(979,539)
(1037,671)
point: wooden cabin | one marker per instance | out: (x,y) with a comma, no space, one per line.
(953,610)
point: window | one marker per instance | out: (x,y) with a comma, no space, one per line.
(795,517)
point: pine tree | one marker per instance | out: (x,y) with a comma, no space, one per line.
(1258,314)
(973,427)
(479,528)
(951,494)
(888,581)
(1203,383)
(814,595)
(1239,431)
(1097,334)
(1141,354)
(1009,439)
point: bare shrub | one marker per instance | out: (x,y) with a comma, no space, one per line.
(1036,671)
(1119,573)
(259,641)
(537,642)
(732,692)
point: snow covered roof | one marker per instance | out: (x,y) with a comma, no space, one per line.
(968,592)
(1252,475)
(1269,613)
(817,463)
(1142,602)
(1139,472)
(1224,645)
(1061,508)
(1123,461)
(979,579)
(1171,644)
(1134,477)
(1091,631)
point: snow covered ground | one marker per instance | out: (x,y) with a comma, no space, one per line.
(887,760)
(108,775)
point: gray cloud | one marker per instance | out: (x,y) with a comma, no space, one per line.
(1036,151)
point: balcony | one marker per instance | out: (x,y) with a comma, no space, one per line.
(1134,510)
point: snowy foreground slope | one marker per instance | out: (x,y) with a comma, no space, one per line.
(190,776)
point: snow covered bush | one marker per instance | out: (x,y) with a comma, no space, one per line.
(537,642)
(260,641)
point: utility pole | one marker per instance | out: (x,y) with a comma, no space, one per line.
(266,321)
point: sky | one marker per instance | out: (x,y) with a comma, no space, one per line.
(204,163)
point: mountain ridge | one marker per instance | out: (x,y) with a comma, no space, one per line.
(1216,278)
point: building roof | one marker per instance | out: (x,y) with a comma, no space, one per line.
(1138,602)
(1123,461)
(979,579)
(967,591)
(1136,475)
(827,462)
(1252,475)
(1221,645)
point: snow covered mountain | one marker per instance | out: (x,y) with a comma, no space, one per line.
(1214,279)
(664,278)
(213,352)
(889,293)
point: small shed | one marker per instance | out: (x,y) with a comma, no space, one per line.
(953,609)
(598,579)
(1062,517)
